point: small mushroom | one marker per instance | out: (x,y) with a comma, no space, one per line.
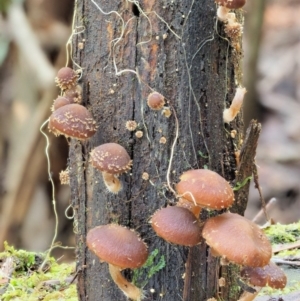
(230,113)
(205,188)
(270,275)
(155,101)
(237,239)
(111,159)
(73,121)
(233,28)
(177,225)
(74,94)
(59,102)
(122,249)
(66,78)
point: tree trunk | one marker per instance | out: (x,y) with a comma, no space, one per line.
(186,60)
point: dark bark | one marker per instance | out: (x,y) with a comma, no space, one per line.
(191,73)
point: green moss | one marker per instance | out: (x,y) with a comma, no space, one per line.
(153,265)
(279,234)
(27,283)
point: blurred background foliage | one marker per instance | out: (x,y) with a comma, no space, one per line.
(33,35)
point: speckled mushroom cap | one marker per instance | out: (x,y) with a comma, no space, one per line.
(66,78)
(238,239)
(270,275)
(73,121)
(118,246)
(177,225)
(155,101)
(232,4)
(111,158)
(208,189)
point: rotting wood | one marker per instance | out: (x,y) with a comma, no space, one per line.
(245,168)
(191,73)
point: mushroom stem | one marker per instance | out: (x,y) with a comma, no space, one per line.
(196,210)
(246,296)
(112,183)
(130,290)
(222,13)
(230,114)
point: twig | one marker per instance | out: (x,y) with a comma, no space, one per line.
(257,186)
(27,42)
(288,246)
(269,205)
(287,262)
(6,272)
(245,168)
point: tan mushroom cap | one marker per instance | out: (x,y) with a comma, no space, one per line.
(111,158)
(118,246)
(270,275)
(59,102)
(155,101)
(206,188)
(73,121)
(232,4)
(177,225)
(66,78)
(238,239)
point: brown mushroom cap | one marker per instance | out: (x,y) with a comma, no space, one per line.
(59,102)
(232,4)
(270,275)
(73,121)
(118,246)
(177,225)
(66,78)
(155,101)
(238,239)
(206,188)
(111,158)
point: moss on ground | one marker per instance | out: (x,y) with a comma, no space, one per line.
(280,234)
(27,283)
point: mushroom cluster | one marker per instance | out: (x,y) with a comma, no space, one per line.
(69,118)
(197,189)
(229,235)
(233,28)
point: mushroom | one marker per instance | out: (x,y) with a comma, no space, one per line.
(230,113)
(73,121)
(66,78)
(177,225)
(237,239)
(233,28)
(74,94)
(111,159)
(205,188)
(59,102)
(155,101)
(226,6)
(122,249)
(269,275)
